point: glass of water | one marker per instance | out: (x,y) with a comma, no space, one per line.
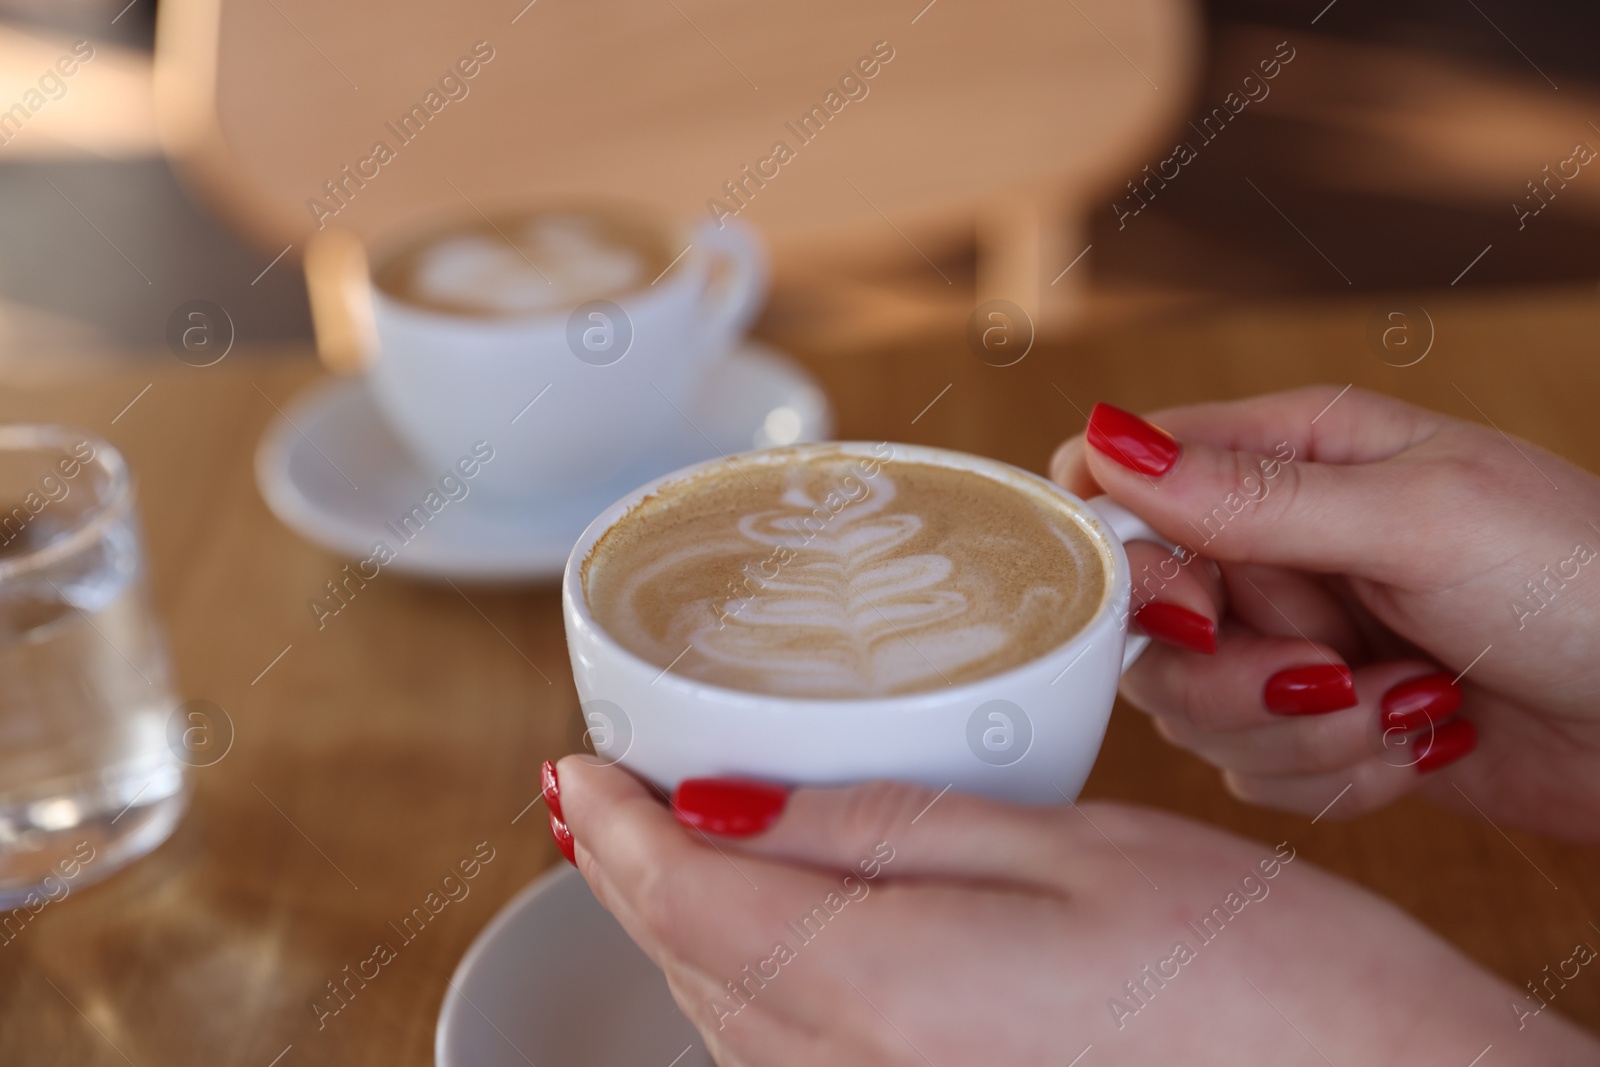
(88,781)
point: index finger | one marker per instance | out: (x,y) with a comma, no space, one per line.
(1323,423)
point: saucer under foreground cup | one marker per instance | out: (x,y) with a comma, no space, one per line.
(554,979)
(339,476)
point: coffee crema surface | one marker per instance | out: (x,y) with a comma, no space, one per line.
(526,264)
(833,575)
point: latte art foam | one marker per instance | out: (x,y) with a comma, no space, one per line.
(840,576)
(525,265)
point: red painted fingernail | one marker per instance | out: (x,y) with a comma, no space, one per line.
(1310,690)
(1417,702)
(1449,743)
(551,788)
(1177,626)
(563,836)
(1132,442)
(730,807)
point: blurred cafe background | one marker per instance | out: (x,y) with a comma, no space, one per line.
(1175,201)
(1399,139)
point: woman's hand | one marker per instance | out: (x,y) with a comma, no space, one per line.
(885,924)
(1397,591)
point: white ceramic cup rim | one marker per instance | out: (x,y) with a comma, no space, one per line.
(405,236)
(1113,558)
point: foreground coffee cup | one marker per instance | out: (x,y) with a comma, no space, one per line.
(1019,721)
(570,337)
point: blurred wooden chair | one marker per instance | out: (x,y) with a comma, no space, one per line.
(994,122)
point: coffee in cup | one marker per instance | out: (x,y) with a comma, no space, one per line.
(526,263)
(842,576)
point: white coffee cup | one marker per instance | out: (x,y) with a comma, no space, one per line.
(571,395)
(1029,734)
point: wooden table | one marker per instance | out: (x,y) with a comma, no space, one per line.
(375,754)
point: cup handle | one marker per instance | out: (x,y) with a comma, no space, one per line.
(732,305)
(1128,527)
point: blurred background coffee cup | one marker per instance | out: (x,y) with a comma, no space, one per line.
(570,336)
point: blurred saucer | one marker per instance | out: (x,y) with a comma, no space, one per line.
(333,471)
(553,979)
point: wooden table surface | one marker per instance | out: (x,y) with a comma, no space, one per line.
(379,752)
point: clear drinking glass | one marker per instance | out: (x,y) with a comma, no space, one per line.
(88,781)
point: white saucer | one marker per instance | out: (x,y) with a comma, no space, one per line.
(335,472)
(554,980)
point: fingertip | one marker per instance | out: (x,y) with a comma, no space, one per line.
(565,764)
(550,787)
(1174,602)
(1130,441)
(1178,626)
(1420,701)
(563,837)
(1448,743)
(567,775)
(585,783)
(728,807)
(1311,689)
(1069,468)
